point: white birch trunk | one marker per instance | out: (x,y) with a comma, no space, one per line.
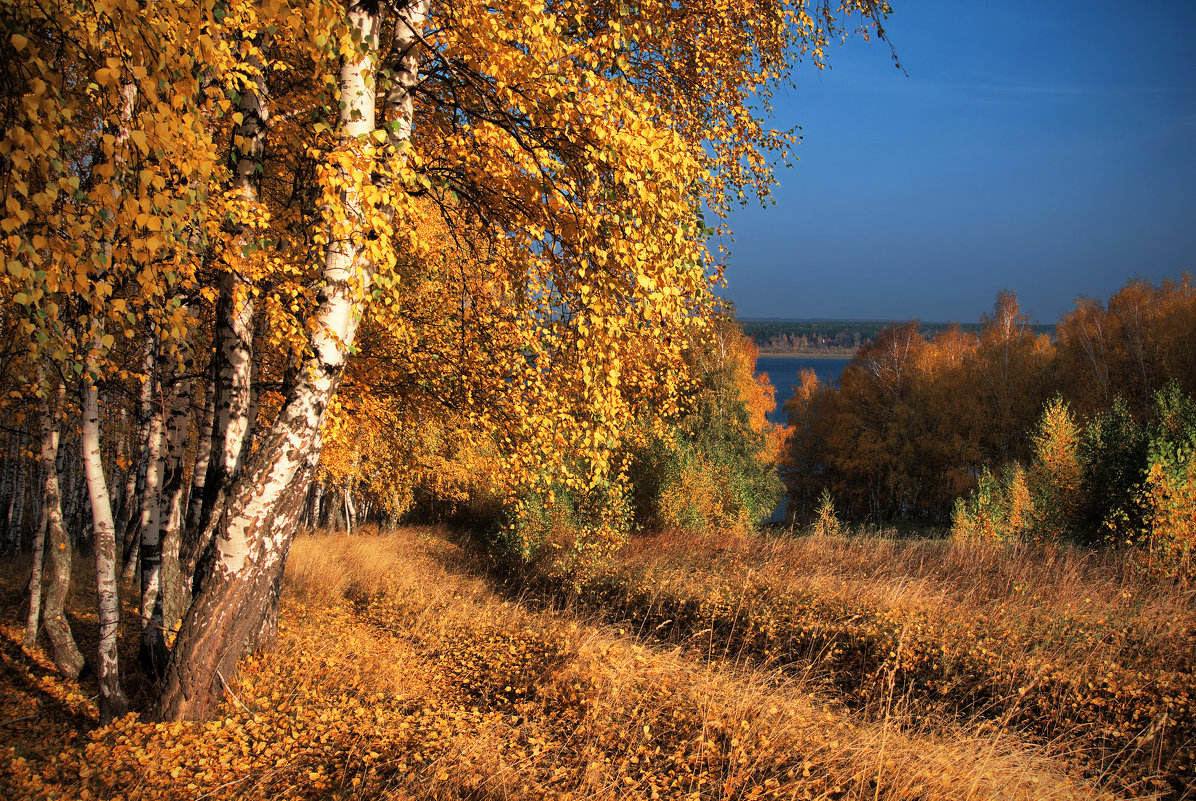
(72,511)
(6,482)
(49,439)
(113,703)
(63,649)
(152,650)
(232,390)
(18,516)
(203,453)
(171,508)
(258,523)
(131,517)
(234,382)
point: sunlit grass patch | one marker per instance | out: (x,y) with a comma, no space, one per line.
(403,671)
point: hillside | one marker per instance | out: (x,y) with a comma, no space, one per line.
(408,666)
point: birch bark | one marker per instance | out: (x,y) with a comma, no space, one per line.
(18,491)
(232,366)
(49,437)
(129,523)
(232,391)
(178,409)
(113,703)
(152,651)
(63,649)
(203,454)
(258,522)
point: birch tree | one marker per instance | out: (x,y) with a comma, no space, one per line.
(63,650)
(256,524)
(563,149)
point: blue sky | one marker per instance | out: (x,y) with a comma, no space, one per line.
(1043,147)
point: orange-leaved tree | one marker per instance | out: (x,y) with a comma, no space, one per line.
(1056,474)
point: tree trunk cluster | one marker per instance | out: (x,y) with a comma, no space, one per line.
(168,480)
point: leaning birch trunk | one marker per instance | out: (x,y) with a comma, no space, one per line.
(174,593)
(113,703)
(258,522)
(33,621)
(152,652)
(49,447)
(63,649)
(265,634)
(130,519)
(232,359)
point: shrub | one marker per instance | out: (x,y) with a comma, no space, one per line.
(567,532)
(1000,509)
(1055,475)
(717,468)
(1168,497)
(699,487)
(1113,452)
(826,520)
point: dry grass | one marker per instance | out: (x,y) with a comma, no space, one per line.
(1090,656)
(612,714)
(404,670)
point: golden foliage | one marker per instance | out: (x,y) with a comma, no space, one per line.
(1129,347)
(702,498)
(1055,474)
(538,229)
(719,469)
(1000,510)
(826,521)
(1169,498)
(391,453)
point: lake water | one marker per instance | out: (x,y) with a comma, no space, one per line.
(783,372)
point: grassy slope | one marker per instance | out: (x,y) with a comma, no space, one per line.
(406,669)
(1075,649)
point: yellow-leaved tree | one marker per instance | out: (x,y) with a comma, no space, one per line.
(564,148)
(1055,474)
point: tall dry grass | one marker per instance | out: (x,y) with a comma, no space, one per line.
(1075,648)
(617,714)
(407,667)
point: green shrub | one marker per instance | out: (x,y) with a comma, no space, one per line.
(567,532)
(1113,452)
(715,470)
(1168,497)
(826,519)
(999,510)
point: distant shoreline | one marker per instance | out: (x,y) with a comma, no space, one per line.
(806,354)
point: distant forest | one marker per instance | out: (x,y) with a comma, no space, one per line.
(839,336)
